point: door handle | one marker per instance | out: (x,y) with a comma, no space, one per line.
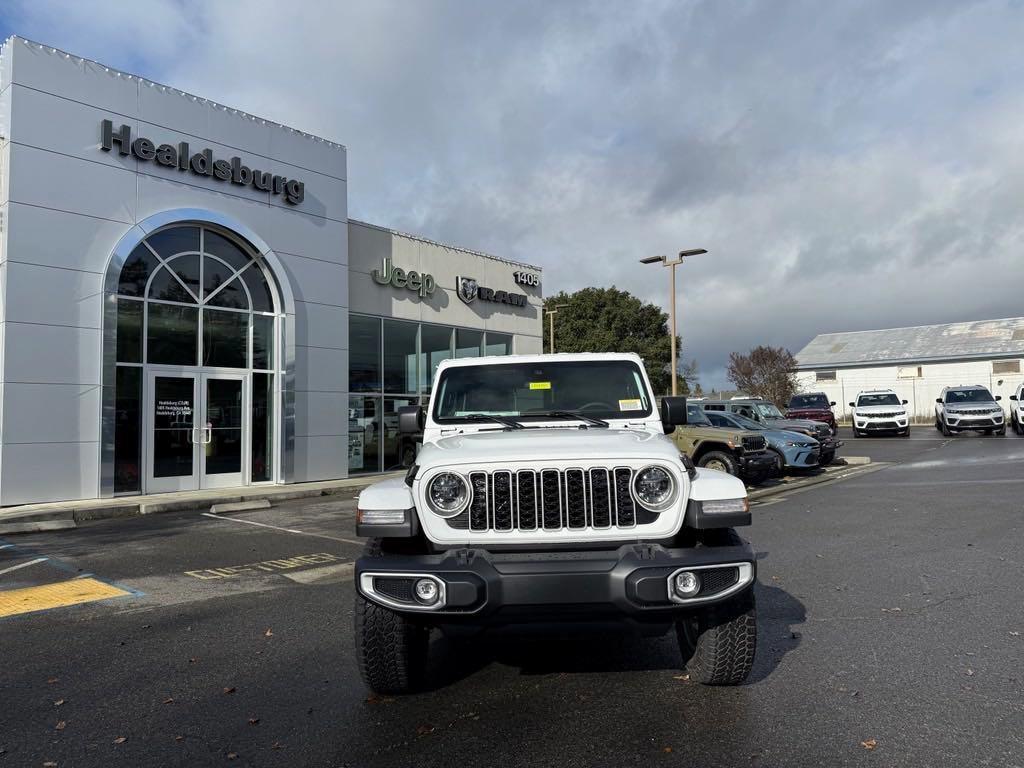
(207,434)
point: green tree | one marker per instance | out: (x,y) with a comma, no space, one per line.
(765,372)
(610,320)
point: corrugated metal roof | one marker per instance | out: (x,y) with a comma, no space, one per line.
(922,343)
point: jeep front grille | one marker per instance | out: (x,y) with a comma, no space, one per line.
(552,500)
(754,443)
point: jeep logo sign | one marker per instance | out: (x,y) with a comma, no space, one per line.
(397,277)
(200,163)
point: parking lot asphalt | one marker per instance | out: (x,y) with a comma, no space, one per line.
(891,634)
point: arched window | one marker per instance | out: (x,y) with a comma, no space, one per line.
(194,297)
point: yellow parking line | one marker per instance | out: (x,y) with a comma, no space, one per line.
(59,595)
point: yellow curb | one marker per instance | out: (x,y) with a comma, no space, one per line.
(59,595)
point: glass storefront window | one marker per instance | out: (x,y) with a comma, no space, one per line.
(127,429)
(364,354)
(262,341)
(225,338)
(400,356)
(468,343)
(364,430)
(498,344)
(435,346)
(172,334)
(129,331)
(262,441)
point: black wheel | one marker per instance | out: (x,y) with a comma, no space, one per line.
(718,643)
(938,426)
(719,460)
(856,432)
(905,432)
(1016,426)
(758,477)
(1001,432)
(826,458)
(391,650)
(945,429)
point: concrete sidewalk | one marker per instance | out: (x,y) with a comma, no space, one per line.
(67,514)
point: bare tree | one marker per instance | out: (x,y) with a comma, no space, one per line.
(765,372)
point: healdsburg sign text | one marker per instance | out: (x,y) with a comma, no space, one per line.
(201,163)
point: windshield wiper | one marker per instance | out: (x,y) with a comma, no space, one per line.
(506,420)
(591,420)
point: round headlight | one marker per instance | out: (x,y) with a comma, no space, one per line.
(448,494)
(654,488)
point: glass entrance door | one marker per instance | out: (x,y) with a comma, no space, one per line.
(197,430)
(223,431)
(171,407)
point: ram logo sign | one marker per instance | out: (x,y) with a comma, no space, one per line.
(469,289)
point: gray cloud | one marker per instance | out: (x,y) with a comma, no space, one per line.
(845,163)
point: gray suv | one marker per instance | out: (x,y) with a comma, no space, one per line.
(962,409)
(770,416)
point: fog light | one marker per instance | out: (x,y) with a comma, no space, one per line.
(686,584)
(426,591)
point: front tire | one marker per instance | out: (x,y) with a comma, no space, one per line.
(719,460)
(946,431)
(905,433)
(391,650)
(718,643)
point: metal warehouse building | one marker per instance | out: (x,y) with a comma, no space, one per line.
(916,362)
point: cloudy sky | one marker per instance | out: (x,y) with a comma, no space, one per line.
(848,165)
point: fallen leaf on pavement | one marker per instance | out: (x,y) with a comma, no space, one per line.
(168,700)
(869,745)
(51,681)
(666,749)
(120,739)
(268,633)
(1015,634)
(61,725)
(680,677)
(49,764)
(232,755)
(423,730)
(58,702)
(254,721)
(276,745)
(230,689)
(179,738)
(970,673)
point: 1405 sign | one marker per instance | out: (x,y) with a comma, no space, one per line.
(531,279)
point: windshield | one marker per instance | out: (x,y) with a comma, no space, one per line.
(695,415)
(769,411)
(955,396)
(744,423)
(604,389)
(809,401)
(865,400)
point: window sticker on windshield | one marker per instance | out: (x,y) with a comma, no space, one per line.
(540,385)
(630,405)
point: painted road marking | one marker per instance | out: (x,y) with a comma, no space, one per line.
(24,565)
(279,528)
(62,594)
(326,574)
(266,566)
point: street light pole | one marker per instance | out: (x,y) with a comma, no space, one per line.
(551,325)
(672,302)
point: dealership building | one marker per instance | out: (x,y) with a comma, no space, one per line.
(185,303)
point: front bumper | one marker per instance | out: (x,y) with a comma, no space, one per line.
(884,424)
(482,588)
(755,463)
(801,458)
(995,421)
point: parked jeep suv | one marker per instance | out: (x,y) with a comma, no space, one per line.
(740,452)
(1017,411)
(814,406)
(546,493)
(879,410)
(766,413)
(962,409)
(790,450)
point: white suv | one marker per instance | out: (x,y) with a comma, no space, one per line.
(969,408)
(880,410)
(1017,411)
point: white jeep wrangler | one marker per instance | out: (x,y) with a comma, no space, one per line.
(547,493)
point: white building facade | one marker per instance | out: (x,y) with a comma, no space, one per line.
(915,362)
(185,304)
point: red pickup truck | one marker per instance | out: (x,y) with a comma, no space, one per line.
(812,405)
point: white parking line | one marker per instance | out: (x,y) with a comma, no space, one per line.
(279,528)
(24,565)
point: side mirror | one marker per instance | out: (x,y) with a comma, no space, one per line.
(411,419)
(673,412)
(832,404)
(938,400)
(852,405)
(904,402)
(999,397)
